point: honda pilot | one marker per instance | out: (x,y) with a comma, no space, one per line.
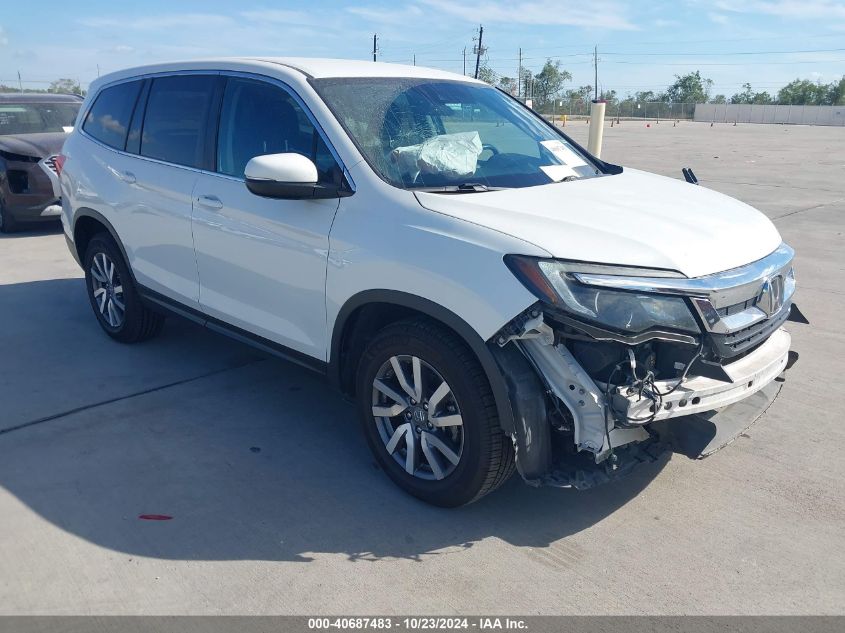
(493,297)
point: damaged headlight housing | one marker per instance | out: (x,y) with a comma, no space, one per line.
(557,283)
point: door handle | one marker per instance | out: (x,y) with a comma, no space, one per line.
(210,202)
(128,177)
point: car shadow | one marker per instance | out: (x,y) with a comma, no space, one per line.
(235,456)
(30,229)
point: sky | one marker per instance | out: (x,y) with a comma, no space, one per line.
(641,45)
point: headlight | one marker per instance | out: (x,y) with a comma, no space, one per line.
(631,312)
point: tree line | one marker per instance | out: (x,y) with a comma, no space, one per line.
(59,86)
(548,85)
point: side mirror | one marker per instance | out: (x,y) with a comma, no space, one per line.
(287,176)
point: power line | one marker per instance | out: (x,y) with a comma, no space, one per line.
(422,48)
(673,54)
(696,63)
(818,50)
(708,40)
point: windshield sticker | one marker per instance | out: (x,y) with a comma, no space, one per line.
(558,172)
(563,153)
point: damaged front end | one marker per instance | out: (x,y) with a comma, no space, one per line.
(608,354)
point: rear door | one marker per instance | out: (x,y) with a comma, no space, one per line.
(262,262)
(173,139)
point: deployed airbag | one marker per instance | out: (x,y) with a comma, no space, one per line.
(453,155)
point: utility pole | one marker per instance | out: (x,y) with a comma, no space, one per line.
(519,76)
(465,61)
(479,49)
(375,45)
(415,59)
(20,83)
(596,68)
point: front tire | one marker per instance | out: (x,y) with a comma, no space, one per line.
(113,295)
(429,414)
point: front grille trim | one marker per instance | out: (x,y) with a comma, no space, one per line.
(728,345)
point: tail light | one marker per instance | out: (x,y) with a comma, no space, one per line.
(59,164)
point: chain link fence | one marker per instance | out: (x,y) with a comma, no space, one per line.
(621,110)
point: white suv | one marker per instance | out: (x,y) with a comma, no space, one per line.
(491,295)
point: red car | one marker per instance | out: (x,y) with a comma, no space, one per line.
(33,128)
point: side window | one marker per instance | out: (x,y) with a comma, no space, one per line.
(258,118)
(176,119)
(108,119)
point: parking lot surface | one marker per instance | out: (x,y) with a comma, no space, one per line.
(278,507)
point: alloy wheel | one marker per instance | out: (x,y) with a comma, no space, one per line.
(108,290)
(418,418)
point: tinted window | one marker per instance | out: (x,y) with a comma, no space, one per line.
(258,118)
(29,118)
(108,119)
(175,123)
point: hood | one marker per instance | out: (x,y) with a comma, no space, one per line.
(633,219)
(38,145)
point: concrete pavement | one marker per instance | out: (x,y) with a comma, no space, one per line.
(278,507)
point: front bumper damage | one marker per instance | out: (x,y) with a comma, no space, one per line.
(568,431)
(747,375)
(579,424)
(30,188)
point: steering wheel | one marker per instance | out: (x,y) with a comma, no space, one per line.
(492,148)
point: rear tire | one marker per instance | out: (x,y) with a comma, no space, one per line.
(445,382)
(8,224)
(113,295)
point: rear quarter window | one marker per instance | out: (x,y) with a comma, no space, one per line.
(108,119)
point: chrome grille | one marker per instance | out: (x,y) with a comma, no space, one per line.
(50,163)
(738,307)
(739,341)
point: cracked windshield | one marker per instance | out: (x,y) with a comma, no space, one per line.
(449,135)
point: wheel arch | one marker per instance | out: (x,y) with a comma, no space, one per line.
(366,312)
(86,224)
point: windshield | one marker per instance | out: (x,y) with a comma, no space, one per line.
(424,133)
(31,118)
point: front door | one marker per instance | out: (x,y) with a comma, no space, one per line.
(261,261)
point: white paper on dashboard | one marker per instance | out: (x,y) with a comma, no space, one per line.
(563,153)
(558,172)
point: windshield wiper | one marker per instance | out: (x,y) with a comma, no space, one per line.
(464,187)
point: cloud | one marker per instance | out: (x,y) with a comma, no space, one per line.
(392,16)
(282,16)
(798,9)
(121,48)
(600,14)
(718,18)
(3,39)
(159,22)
